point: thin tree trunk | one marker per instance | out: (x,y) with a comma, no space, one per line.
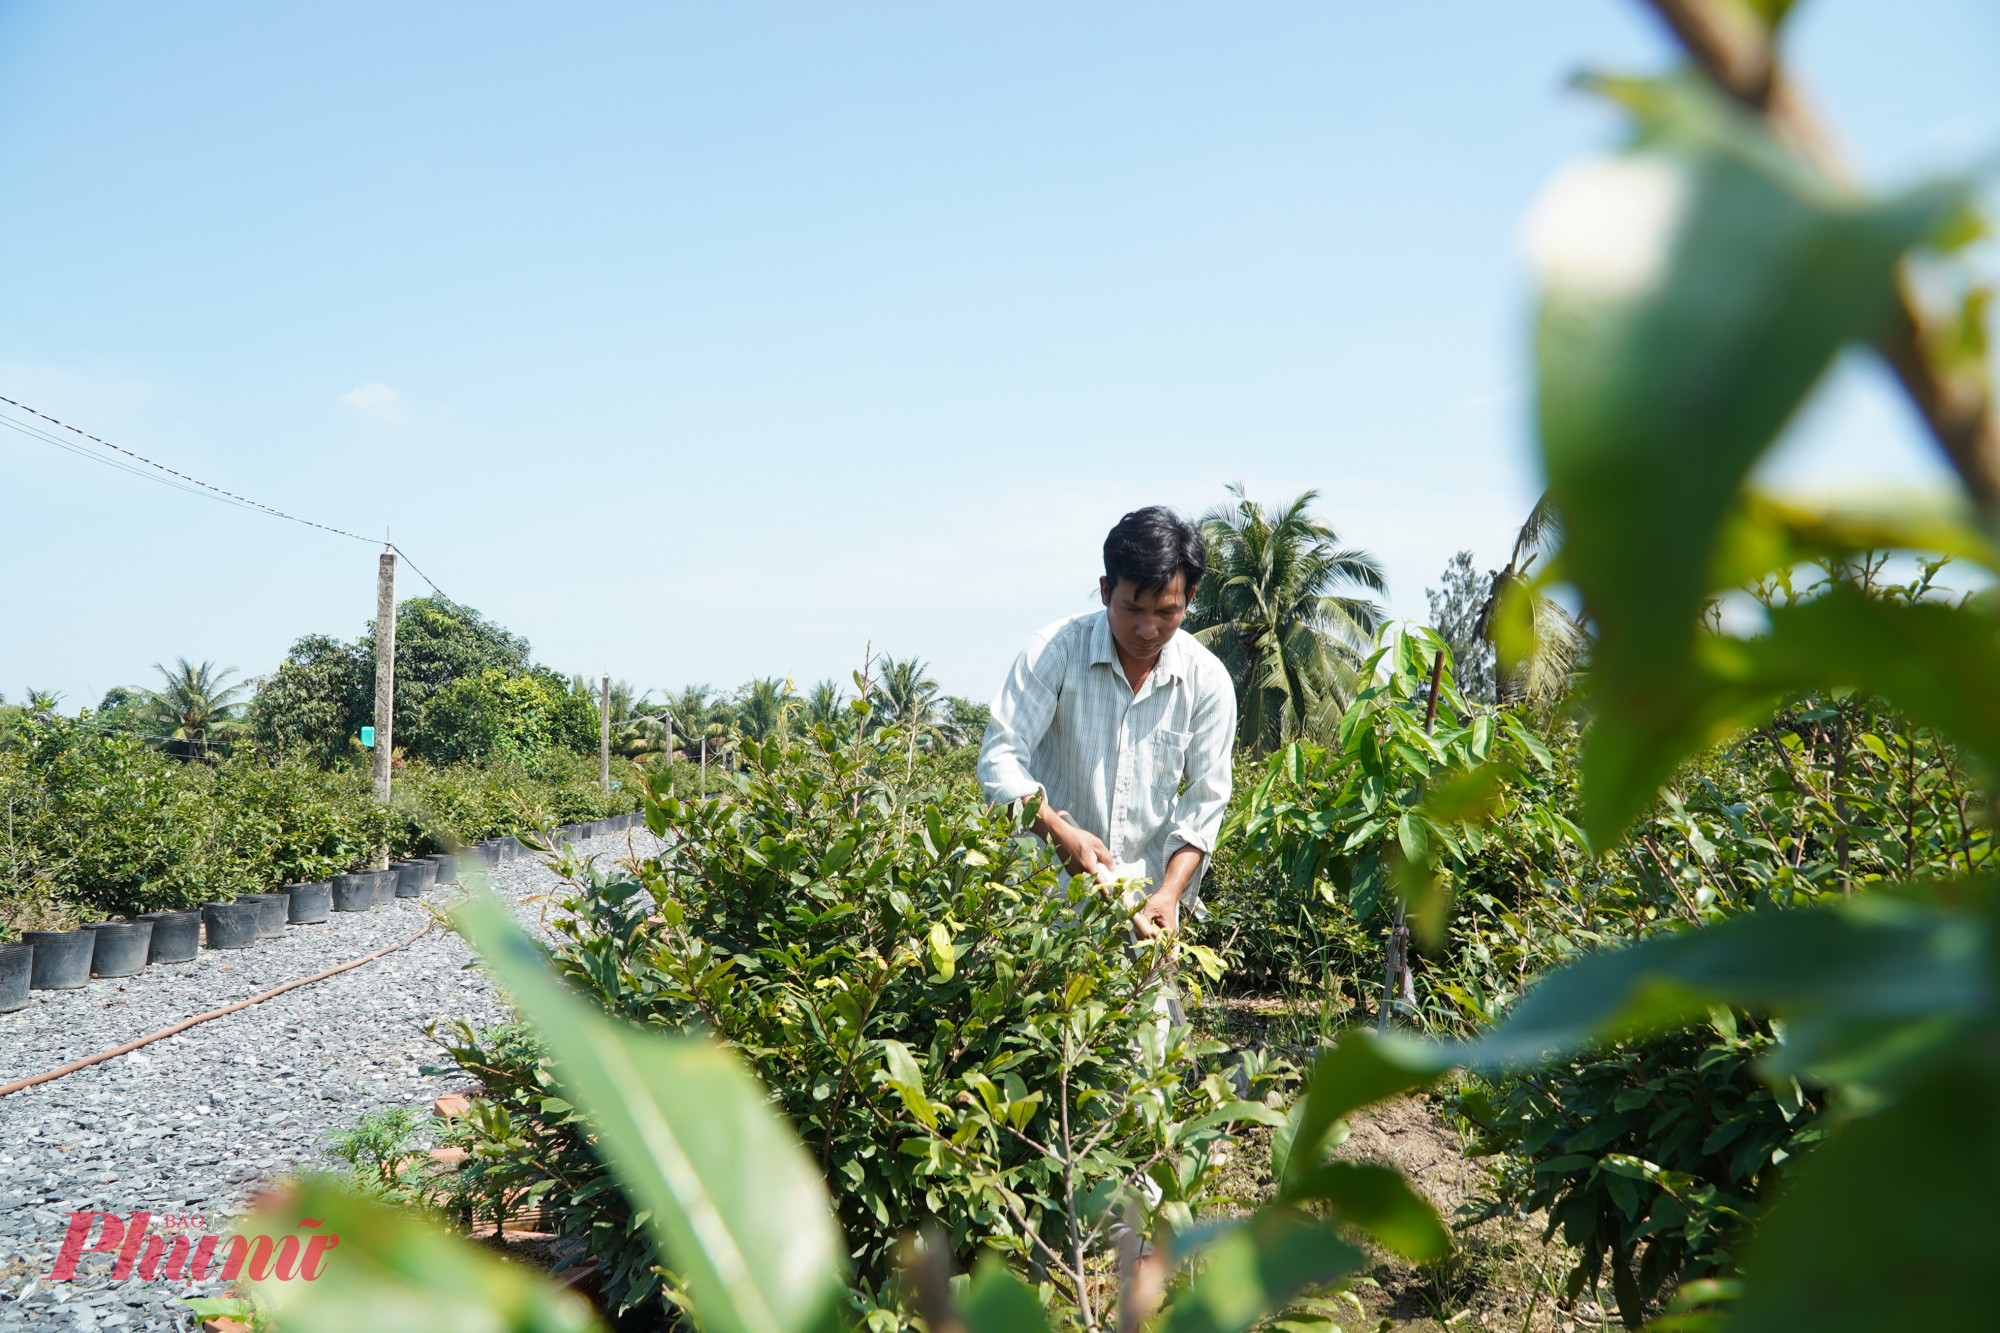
(1840,842)
(1397,981)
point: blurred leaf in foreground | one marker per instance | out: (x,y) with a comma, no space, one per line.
(1693,290)
(390,1271)
(735,1204)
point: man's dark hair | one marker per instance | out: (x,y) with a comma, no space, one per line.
(1151,545)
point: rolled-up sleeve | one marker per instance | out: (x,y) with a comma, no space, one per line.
(1199,808)
(1022,712)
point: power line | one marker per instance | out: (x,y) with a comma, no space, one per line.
(420,574)
(180,481)
(182,476)
(36,432)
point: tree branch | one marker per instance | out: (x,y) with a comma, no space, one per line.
(1735,50)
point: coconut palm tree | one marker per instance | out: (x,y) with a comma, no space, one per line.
(198,707)
(1539,659)
(1278,606)
(763,705)
(826,706)
(704,725)
(640,738)
(904,695)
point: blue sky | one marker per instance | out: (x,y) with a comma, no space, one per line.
(702,342)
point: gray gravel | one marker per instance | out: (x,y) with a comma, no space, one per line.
(196,1122)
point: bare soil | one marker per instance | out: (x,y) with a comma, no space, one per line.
(1501,1274)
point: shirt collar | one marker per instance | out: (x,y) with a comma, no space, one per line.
(1172,657)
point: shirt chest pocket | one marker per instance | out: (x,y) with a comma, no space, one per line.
(1169,758)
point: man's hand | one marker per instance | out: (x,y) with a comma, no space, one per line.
(1080,850)
(1161,915)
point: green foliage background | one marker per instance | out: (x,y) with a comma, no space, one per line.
(99,823)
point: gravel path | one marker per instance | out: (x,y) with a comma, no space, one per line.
(193,1123)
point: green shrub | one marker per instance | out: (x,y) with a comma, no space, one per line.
(960,1042)
(384,1156)
(98,823)
(446,805)
(509,718)
(1649,1158)
(317,700)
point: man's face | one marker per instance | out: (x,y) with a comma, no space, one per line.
(1142,622)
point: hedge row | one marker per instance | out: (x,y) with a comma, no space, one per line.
(97,823)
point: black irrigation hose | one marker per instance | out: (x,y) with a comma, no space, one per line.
(186,1023)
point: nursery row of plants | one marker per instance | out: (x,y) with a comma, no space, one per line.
(101,823)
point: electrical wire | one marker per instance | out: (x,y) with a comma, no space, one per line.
(181,476)
(180,481)
(420,574)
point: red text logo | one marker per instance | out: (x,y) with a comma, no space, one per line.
(153,1255)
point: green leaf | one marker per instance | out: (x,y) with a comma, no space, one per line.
(737,1208)
(1363,1067)
(999,1302)
(1208,959)
(1693,291)
(1469,797)
(1379,1201)
(1836,974)
(1888,1224)
(1250,1270)
(1236,1113)
(393,1272)
(943,961)
(908,1080)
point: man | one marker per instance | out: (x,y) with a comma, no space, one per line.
(1124,724)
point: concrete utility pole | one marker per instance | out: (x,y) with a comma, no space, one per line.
(604,737)
(385,681)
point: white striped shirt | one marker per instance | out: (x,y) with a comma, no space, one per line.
(1148,772)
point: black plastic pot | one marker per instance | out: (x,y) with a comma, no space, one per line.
(355,892)
(231,925)
(17,962)
(309,903)
(385,884)
(271,912)
(489,852)
(121,948)
(176,936)
(414,877)
(62,958)
(511,847)
(447,868)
